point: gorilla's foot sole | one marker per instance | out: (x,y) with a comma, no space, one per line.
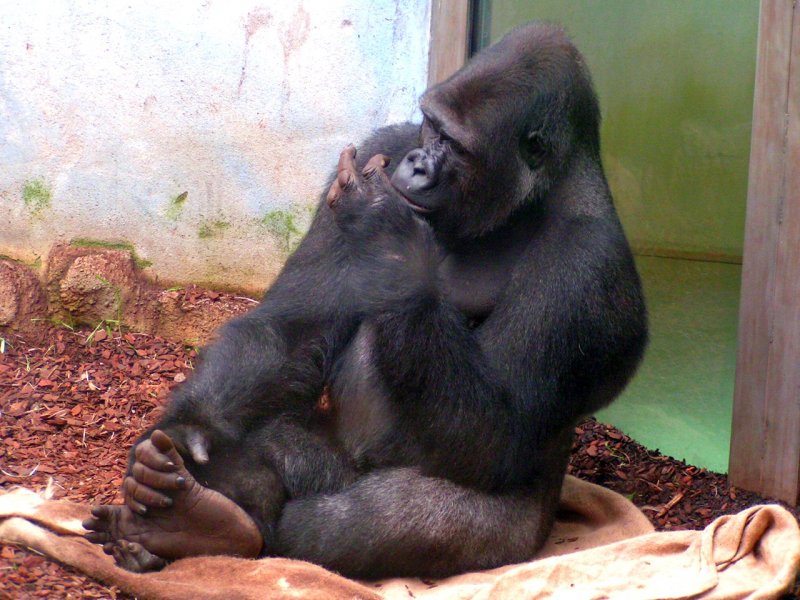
(169,515)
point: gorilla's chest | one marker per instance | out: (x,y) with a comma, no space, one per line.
(474,278)
(471,285)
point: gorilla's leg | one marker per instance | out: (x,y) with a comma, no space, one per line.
(305,457)
(397,522)
(181,518)
(168,499)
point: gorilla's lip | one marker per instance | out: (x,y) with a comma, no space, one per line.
(414,206)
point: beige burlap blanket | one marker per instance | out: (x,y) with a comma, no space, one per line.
(601,547)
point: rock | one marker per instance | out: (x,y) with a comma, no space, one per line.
(89,285)
(21,296)
(193,320)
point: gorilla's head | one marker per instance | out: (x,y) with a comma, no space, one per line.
(500,132)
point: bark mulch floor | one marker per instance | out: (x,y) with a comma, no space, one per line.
(73,401)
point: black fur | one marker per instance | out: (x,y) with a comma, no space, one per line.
(462,335)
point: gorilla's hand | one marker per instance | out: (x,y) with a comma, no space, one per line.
(365,204)
(393,251)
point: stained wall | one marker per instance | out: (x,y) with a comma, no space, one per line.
(200,133)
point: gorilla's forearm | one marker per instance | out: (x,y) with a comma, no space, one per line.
(445,386)
(273,360)
(250,373)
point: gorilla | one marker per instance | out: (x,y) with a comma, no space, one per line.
(402,401)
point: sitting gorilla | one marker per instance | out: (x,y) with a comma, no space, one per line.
(456,315)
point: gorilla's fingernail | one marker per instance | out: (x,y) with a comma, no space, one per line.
(180,481)
(166,502)
(170,464)
(142,510)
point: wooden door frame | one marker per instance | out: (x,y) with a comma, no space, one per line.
(765,437)
(451,29)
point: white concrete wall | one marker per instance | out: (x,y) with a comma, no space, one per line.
(111,110)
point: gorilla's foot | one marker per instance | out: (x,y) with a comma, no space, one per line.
(168,515)
(134,557)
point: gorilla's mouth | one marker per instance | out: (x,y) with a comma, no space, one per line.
(414,206)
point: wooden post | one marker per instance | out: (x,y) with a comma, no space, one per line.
(765,441)
(450,34)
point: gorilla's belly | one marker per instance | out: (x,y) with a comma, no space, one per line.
(365,418)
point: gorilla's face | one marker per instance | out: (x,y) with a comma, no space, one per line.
(421,177)
(499,134)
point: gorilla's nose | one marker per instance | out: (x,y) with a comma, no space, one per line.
(417,158)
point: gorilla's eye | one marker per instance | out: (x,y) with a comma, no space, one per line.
(533,149)
(453,145)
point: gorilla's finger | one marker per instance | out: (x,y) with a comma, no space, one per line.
(95,524)
(140,497)
(157,479)
(346,174)
(98,537)
(103,512)
(334,194)
(148,454)
(122,556)
(385,179)
(375,164)
(347,159)
(345,179)
(164,444)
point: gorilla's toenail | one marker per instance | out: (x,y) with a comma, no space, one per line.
(180,481)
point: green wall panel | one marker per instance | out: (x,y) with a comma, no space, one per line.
(681,400)
(675,81)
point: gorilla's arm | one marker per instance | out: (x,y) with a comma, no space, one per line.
(561,342)
(274,360)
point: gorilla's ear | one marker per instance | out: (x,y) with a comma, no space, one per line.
(533,149)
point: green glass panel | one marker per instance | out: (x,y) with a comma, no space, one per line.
(681,400)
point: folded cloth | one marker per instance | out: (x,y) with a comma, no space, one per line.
(602,546)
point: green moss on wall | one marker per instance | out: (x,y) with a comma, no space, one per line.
(212,229)
(37,196)
(127,246)
(34,264)
(175,206)
(283,226)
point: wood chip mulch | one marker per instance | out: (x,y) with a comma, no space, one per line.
(72,403)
